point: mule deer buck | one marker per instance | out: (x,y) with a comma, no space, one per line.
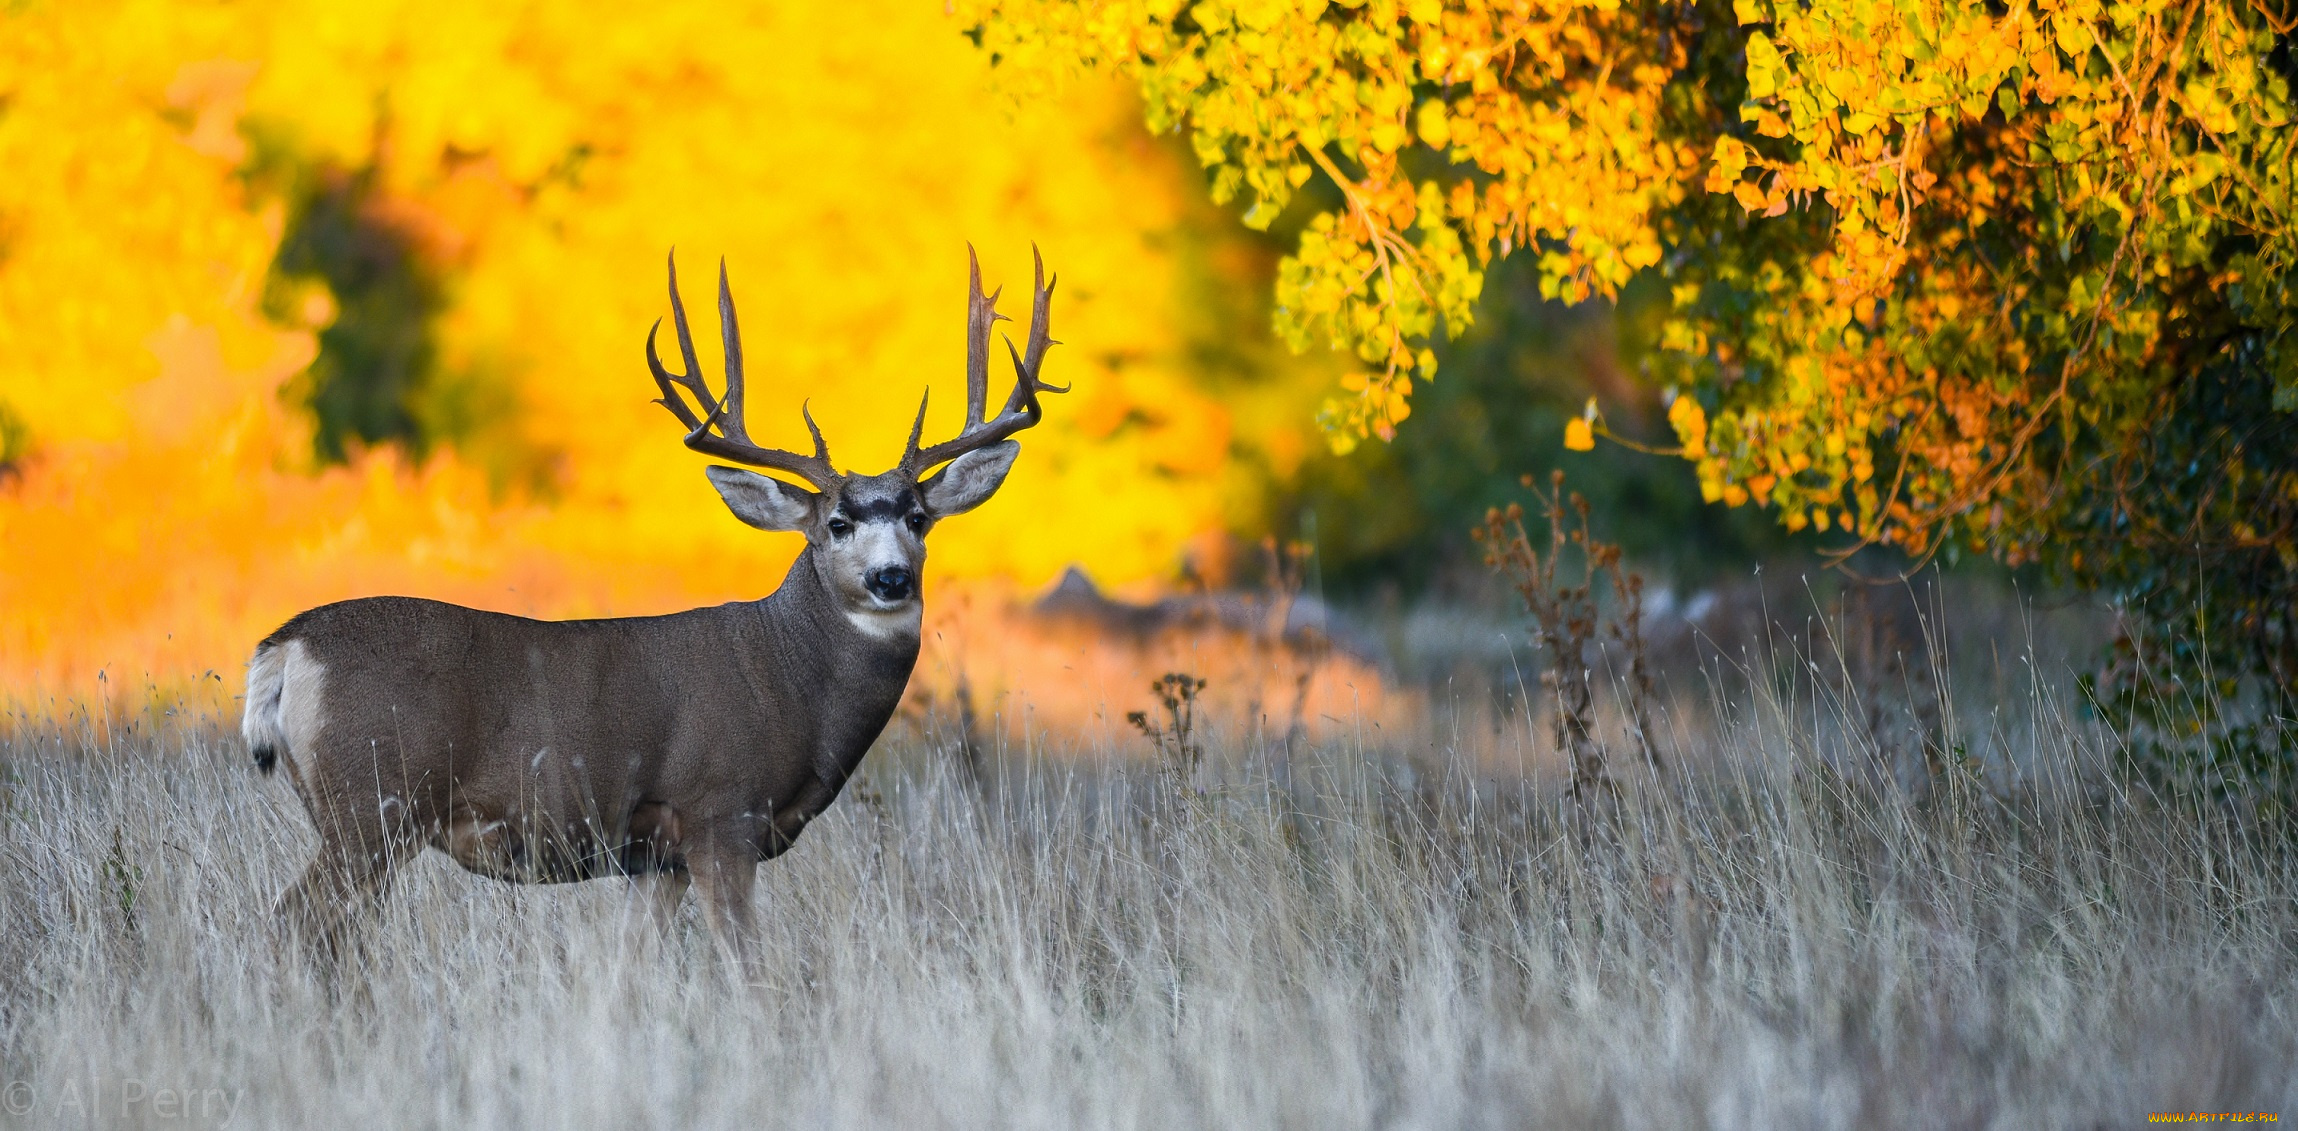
(671,748)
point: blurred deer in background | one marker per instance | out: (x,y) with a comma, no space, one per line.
(670,749)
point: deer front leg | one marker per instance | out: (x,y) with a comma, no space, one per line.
(660,893)
(723,869)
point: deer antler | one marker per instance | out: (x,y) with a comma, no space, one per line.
(1021,408)
(732,440)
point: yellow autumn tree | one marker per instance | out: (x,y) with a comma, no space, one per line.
(213,210)
(1946,276)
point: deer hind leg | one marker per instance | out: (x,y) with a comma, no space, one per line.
(724,872)
(344,882)
(336,893)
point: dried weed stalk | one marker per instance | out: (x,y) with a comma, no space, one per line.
(1175,737)
(1285,568)
(1565,623)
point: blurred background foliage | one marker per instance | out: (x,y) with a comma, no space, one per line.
(301,302)
(2008,280)
(1396,516)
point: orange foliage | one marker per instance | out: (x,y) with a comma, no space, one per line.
(2034,216)
(165,509)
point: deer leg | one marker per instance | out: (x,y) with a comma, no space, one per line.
(359,848)
(660,892)
(335,892)
(724,874)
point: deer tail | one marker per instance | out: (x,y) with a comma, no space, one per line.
(266,694)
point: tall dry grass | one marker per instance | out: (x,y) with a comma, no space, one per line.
(1367,929)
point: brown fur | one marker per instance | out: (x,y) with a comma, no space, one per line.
(541,751)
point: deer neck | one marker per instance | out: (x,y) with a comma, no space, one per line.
(805,608)
(850,681)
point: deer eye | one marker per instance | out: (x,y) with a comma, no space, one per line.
(839,528)
(917,521)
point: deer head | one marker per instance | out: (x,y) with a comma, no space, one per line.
(867,532)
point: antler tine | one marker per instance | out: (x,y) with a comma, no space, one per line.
(662,380)
(981,314)
(734,423)
(1021,408)
(691,379)
(731,441)
(918,429)
(1040,315)
(1040,340)
(821,446)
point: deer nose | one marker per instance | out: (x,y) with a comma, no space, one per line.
(888,583)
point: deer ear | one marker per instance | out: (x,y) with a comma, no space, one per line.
(763,501)
(969,480)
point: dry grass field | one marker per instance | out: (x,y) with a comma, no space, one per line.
(1367,930)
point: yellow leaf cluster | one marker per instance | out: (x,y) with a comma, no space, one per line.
(161,507)
(1542,116)
(1910,127)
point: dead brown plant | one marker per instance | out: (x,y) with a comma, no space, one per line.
(1566,622)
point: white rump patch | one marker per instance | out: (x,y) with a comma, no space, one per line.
(284,710)
(302,700)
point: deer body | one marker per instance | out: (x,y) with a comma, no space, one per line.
(568,737)
(672,748)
